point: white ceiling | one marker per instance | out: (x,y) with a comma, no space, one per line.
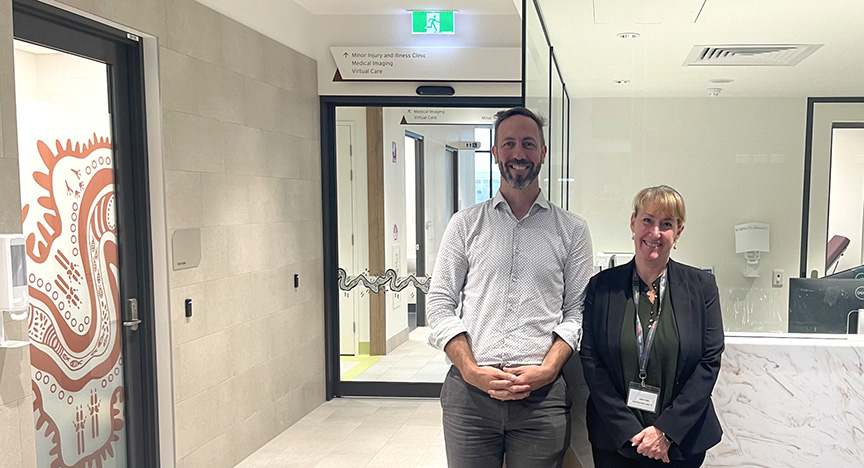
(592,57)
(392,7)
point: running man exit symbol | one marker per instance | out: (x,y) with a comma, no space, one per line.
(432,22)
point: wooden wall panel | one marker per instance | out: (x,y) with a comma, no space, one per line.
(375,193)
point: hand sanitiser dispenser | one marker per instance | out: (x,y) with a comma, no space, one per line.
(13,273)
(13,283)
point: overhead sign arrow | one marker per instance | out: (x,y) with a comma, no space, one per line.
(485,64)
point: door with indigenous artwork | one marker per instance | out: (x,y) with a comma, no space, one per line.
(84,220)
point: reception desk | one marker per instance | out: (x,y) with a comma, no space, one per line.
(792,401)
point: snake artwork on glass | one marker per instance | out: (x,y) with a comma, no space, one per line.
(388,280)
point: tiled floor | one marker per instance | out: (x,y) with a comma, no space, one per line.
(369,432)
(412,361)
(359,432)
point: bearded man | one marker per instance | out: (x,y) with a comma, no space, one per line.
(519,266)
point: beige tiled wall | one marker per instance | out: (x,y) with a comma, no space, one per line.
(241,157)
(241,153)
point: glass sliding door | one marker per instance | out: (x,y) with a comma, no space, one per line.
(397,177)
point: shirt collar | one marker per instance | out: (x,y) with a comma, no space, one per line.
(540,201)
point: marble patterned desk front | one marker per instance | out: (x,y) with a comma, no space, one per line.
(782,401)
(787,402)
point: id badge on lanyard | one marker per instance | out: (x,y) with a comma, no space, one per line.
(640,395)
(643,397)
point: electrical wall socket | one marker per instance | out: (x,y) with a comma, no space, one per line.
(777,279)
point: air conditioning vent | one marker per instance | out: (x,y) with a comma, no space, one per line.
(751,55)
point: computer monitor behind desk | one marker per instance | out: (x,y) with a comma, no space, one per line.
(823,305)
(852,273)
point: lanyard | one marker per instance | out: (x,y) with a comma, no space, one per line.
(644,345)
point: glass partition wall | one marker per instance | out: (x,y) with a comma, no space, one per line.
(557,155)
(544,93)
(747,133)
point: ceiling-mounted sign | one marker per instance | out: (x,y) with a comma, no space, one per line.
(465,145)
(448,116)
(432,22)
(500,64)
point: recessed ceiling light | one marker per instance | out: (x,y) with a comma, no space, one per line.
(721,80)
(628,35)
(620,81)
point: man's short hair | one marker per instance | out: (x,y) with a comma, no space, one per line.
(503,115)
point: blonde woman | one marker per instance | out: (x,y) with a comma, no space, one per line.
(653,338)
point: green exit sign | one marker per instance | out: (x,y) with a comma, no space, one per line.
(432,22)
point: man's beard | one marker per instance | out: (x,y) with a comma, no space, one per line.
(519,182)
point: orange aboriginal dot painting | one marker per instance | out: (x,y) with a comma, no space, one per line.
(70,227)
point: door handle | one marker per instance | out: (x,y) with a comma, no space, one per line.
(133,324)
(133,314)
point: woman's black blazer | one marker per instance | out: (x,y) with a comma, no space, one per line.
(690,421)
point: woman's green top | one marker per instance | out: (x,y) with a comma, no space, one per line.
(663,359)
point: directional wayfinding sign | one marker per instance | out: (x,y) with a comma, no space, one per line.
(501,64)
(432,22)
(449,116)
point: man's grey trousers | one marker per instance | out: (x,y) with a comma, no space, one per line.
(479,430)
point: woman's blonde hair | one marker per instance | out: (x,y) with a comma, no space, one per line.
(666,199)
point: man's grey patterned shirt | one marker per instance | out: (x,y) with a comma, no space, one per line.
(521,282)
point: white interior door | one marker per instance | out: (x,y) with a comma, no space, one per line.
(347,299)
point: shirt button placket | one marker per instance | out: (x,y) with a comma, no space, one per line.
(515,257)
(512,290)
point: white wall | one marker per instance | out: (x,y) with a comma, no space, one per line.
(285,21)
(435,178)
(42,82)
(466,179)
(394,214)
(435,139)
(733,160)
(846,211)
